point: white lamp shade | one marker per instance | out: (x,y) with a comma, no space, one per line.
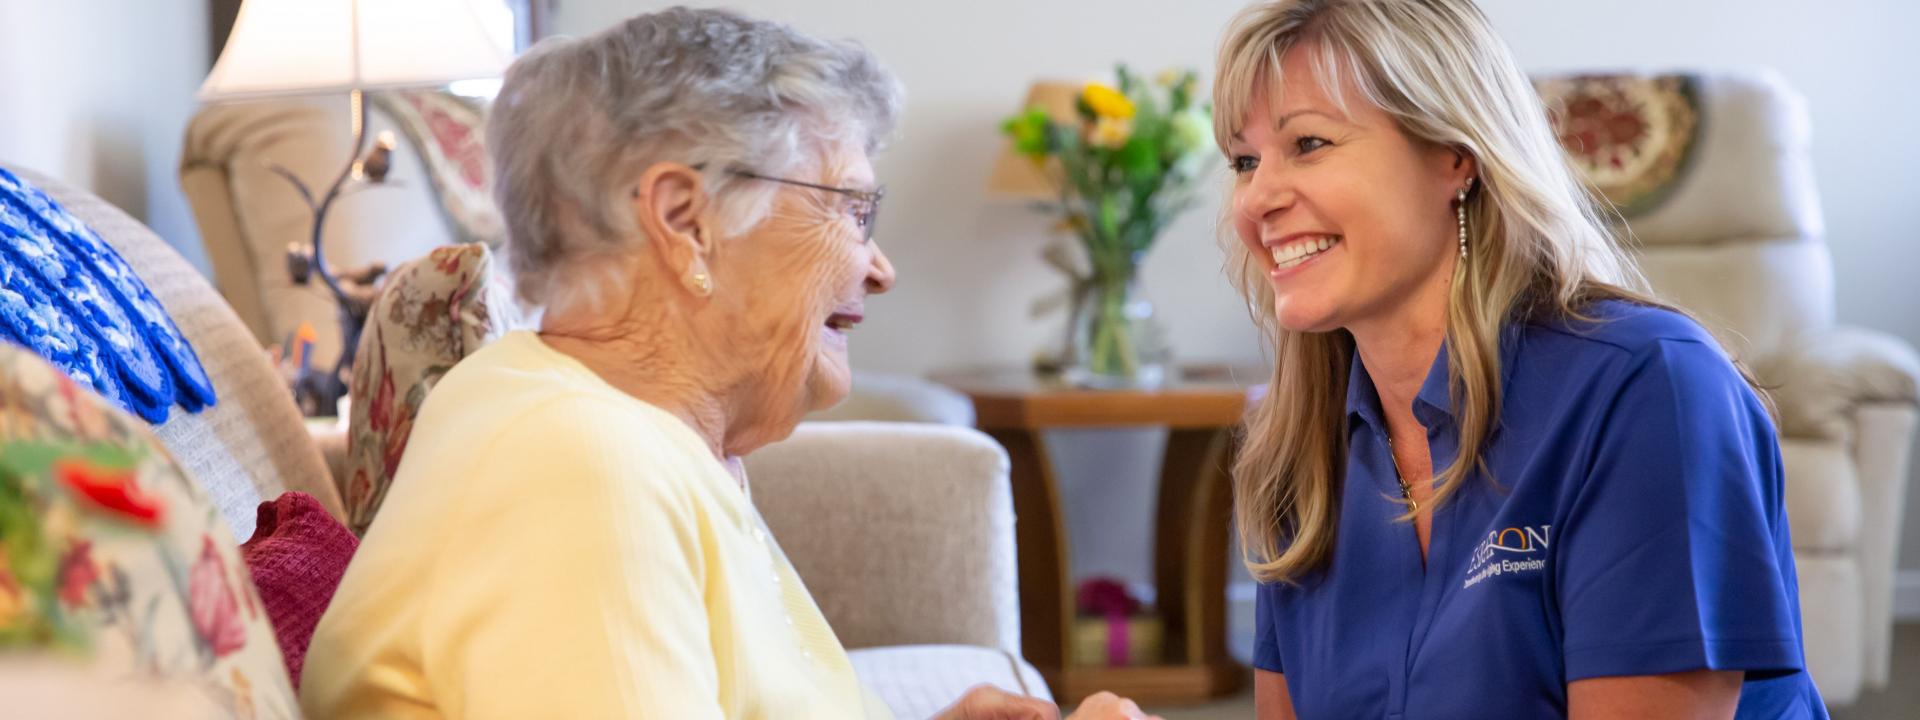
(302,47)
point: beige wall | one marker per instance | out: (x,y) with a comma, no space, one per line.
(98,92)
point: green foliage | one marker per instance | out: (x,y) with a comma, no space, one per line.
(1127,168)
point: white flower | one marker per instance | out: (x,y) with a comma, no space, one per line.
(1191,129)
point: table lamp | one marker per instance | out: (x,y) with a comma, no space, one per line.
(1017,176)
(289,48)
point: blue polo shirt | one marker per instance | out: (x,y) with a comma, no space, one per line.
(1633,525)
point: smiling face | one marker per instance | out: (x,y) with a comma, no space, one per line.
(788,289)
(1352,218)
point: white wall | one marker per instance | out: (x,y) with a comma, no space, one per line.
(97,93)
(968,265)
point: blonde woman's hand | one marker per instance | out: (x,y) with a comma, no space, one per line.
(1108,706)
(986,702)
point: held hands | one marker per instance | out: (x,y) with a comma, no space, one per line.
(1108,706)
(986,702)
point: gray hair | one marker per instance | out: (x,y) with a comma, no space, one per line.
(578,120)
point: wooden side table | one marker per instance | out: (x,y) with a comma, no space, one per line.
(1200,408)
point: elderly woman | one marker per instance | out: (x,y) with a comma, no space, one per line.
(690,198)
(1492,478)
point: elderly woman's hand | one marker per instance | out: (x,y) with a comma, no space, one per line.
(986,702)
(1108,706)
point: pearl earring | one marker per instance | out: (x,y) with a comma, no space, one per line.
(1460,214)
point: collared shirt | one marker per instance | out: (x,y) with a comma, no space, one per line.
(1632,525)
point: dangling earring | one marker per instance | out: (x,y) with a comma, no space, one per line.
(1460,214)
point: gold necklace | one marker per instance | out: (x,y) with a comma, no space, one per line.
(1406,490)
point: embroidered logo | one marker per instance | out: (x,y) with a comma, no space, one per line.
(1510,551)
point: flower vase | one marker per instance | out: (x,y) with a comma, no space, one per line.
(1116,343)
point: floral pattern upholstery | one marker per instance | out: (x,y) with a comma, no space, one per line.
(433,312)
(448,132)
(110,555)
(1633,136)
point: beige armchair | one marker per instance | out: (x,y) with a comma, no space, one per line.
(1713,175)
(916,576)
(248,215)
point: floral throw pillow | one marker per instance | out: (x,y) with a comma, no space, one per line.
(112,558)
(1632,136)
(432,312)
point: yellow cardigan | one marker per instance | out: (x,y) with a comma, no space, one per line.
(553,547)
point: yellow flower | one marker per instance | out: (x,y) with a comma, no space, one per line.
(1109,132)
(1107,102)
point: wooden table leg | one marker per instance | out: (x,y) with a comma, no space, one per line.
(1194,522)
(1040,532)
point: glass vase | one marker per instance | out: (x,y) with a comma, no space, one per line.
(1116,342)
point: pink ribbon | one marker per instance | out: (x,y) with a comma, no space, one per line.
(1109,598)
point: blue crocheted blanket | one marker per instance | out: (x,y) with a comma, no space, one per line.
(68,296)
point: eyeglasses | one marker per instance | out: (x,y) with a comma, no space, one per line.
(865,212)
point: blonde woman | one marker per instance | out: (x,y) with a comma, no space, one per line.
(1492,478)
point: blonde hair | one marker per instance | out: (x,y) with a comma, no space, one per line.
(1538,244)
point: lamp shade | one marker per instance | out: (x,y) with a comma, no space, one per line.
(1018,176)
(302,47)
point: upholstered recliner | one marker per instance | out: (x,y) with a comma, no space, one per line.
(248,215)
(1713,175)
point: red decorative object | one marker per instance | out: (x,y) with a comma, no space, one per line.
(1109,598)
(297,555)
(110,489)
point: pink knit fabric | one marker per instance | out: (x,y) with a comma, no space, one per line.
(297,555)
